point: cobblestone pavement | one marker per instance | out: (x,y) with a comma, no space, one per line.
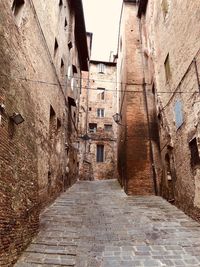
(94,224)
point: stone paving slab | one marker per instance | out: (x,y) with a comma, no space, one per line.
(94,224)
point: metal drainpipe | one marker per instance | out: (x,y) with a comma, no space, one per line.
(197,73)
(148,121)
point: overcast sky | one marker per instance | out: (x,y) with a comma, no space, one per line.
(102,19)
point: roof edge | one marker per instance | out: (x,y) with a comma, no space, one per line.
(103,62)
(142,8)
(80,34)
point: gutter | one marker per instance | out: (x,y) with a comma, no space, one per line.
(142,8)
(80,34)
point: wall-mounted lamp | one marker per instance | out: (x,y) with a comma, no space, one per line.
(117,118)
(17,118)
(66,146)
(2,107)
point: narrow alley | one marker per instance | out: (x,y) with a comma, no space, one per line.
(99,133)
(96,224)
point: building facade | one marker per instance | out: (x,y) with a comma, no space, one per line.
(159,69)
(172,43)
(43,50)
(138,141)
(98,130)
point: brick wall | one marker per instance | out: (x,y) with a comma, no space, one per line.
(35,165)
(133,144)
(91,101)
(171,32)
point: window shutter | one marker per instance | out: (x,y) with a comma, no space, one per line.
(178,113)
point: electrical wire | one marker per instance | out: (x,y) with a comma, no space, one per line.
(29,80)
(106,81)
(95,89)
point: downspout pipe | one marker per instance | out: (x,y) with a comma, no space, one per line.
(197,73)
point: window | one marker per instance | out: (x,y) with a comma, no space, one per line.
(58,128)
(195,160)
(178,113)
(167,69)
(165,7)
(58,124)
(153,90)
(60,3)
(17,8)
(120,44)
(74,84)
(69,73)
(100,153)
(160,118)
(100,112)
(101,68)
(55,47)
(92,127)
(108,127)
(70,45)
(65,23)
(101,94)
(62,67)
(90,109)
(74,69)
(52,124)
